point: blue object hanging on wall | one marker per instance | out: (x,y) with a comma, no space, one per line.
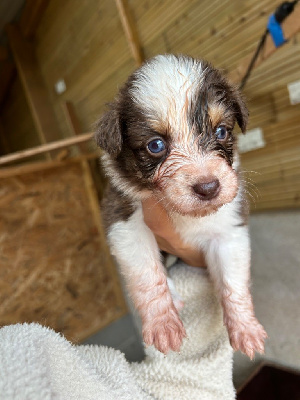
(275,31)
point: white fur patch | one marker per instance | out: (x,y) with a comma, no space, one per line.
(165,88)
(134,245)
(225,244)
(198,231)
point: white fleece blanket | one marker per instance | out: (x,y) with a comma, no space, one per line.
(38,364)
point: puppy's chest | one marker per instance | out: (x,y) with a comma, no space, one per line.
(197,232)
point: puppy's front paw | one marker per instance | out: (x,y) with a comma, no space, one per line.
(165,332)
(248,338)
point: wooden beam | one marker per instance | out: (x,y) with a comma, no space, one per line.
(72,119)
(19,155)
(96,176)
(43,165)
(95,208)
(31,16)
(130,31)
(35,90)
(7,74)
(290,26)
(73,122)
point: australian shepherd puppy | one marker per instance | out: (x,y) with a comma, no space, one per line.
(169,135)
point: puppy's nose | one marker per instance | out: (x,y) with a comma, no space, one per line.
(207,189)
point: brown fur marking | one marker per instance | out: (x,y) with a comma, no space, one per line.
(116,207)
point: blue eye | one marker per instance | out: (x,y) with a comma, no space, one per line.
(156,146)
(221,132)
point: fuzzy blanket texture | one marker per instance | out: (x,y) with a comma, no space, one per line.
(37,363)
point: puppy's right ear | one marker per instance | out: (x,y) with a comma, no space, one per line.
(108,132)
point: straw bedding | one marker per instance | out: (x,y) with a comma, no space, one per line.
(53,266)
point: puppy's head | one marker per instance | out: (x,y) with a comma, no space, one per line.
(169,133)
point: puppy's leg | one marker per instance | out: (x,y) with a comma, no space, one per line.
(136,250)
(228,259)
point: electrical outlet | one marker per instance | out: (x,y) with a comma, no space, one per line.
(294,92)
(60,86)
(253,139)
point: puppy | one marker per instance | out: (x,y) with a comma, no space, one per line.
(169,134)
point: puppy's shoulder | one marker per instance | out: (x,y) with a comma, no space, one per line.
(116,207)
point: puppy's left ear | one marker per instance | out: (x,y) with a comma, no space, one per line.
(108,133)
(240,109)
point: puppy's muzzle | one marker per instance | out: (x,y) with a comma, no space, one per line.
(207,188)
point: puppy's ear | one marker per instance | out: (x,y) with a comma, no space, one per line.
(241,110)
(108,134)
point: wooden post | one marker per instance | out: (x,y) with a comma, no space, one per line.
(73,122)
(130,31)
(290,26)
(34,87)
(31,16)
(95,206)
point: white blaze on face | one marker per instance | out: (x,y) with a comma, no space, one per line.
(165,88)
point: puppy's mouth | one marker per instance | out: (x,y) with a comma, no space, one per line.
(196,200)
(196,185)
(197,197)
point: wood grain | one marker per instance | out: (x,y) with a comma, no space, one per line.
(55,266)
(84,43)
(33,85)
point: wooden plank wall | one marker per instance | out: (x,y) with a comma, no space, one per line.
(83,42)
(18,126)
